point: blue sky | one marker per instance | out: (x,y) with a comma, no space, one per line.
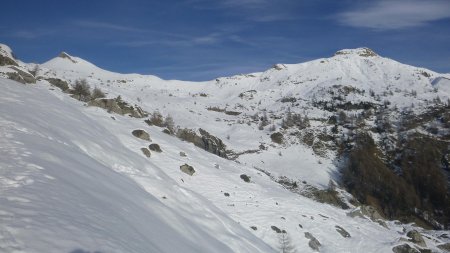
(204,39)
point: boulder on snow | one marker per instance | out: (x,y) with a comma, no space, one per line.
(187,169)
(277,230)
(141,134)
(404,248)
(245,178)
(342,231)
(416,238)
(313,242)
(146,152)
(277,137)
(205,140)
(155,147)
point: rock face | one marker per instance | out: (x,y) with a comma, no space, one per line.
(445,247)
(205,140)
(146,152)
(63,85)
(21,75)
(404,248)
(416,238)
(187,169)
(155,147)
(367,211)
(313,242)
(141,134)
(115,105)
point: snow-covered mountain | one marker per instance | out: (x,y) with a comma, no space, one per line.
(265,148)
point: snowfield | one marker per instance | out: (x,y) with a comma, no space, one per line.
(73,177)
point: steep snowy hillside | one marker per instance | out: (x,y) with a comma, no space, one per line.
(230,107)
(67,184)
(265,149)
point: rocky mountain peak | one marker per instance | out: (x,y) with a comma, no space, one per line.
(65,55)
(362,51)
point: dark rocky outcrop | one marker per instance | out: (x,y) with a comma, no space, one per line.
(4,61)
(187,169)
(20,75)
(245,178)
(146,152)
(141,134)
(155,147)
(313,242)
(404,248)
(205,140)
(277,230)
(342,231)
(63,85)
(277,137)
(445,247)
(416,238)
(116,105)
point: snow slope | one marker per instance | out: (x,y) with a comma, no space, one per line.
(65,185)
(375,79)
(73,177)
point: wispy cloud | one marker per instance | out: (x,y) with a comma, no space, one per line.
(251,10)
(106,25)
(395,14)
(31,34)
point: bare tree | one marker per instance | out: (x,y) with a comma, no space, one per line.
(82,90)
(285,243)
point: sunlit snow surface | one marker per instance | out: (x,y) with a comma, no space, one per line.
(72,177)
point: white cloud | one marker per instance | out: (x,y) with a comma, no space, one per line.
(396,14)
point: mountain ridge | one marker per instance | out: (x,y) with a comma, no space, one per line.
(290,132)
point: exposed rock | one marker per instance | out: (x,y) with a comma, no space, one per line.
(342,231)
(277,230)
(5,60)
(106,103)
(226,194)
(254,228)
(445,247)
(245,178)
(141,134)
(205,140)
(404,248)
(371,212)
(277,137)
(155,147)
(182,154)
(363,52)
(187,169)
(64,55)
(146,152)
(63,85)
(313,242)
(416,238)
(21,75)
(118,106)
